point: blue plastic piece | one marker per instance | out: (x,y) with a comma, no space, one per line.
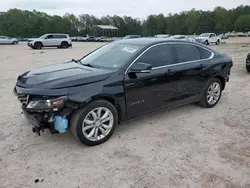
(61,123)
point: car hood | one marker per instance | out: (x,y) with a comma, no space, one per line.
(62,75)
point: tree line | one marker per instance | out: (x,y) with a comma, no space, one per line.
(23,23)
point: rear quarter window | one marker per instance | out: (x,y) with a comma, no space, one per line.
(205,54)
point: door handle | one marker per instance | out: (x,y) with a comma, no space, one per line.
(170,72)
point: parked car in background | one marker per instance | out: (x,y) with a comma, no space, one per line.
(119,81)
(132,36)
(90,39)
(183,37)
(81,39)
(224,36)
(208,38)
(51,40)
(248,63)
(100,39)
(8,40)
(73,39)
(241,34)
(162,36)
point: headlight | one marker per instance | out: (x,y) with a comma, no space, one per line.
(54,104)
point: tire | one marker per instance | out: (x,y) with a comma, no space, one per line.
(205,101)
(206,42)
(38,45)
(64,45)
(15,42)
(77,121)
(248,68)
(218,42)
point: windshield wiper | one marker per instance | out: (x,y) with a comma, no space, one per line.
(89,65)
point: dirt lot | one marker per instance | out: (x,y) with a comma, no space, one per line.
(186,147)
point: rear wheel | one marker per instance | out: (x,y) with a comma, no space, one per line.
(95,123)
(64,45)
(212,93)
(38,45)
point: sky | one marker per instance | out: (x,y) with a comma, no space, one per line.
(134,8)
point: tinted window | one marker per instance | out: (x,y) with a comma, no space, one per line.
(205,54)
(60,36)
(212,35)
(49,37)
(157,56)
(186,52)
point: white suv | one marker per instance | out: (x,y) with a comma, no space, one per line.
(51,40)
(208,38)
(8,40)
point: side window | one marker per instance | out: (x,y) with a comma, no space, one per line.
(212,35)
(205,54)
(61,36)
(49,37)
(160,55)
(186,52)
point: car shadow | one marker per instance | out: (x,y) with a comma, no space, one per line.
(149,118)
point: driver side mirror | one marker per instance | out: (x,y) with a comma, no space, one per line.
(140,67)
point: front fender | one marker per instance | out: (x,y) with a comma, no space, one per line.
(113,93)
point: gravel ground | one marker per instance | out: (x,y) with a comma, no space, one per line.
(185,147)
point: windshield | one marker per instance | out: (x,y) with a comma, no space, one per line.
(204,35)
(112,55)
(43,36)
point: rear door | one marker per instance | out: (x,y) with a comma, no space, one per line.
(189,74)
(58,39)
(146,92)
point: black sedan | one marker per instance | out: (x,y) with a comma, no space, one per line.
(119,81)
(248,63)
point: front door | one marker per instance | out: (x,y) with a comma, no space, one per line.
(146,92)
(212,38)
(49,41)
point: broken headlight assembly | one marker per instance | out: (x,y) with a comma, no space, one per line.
(49,104)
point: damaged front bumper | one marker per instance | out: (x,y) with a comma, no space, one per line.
(46,113)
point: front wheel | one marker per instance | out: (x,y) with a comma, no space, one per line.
(95,123)
(206,42)
(212,93)
(38,45)
(248,68)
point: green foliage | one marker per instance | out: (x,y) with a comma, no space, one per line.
(22,23)
(243,23)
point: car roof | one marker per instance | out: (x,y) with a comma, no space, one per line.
(149,41)
(56,34)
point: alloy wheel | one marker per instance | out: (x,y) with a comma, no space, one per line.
(213,93)
(97,124)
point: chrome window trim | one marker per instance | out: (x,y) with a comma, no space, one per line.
(187,62)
